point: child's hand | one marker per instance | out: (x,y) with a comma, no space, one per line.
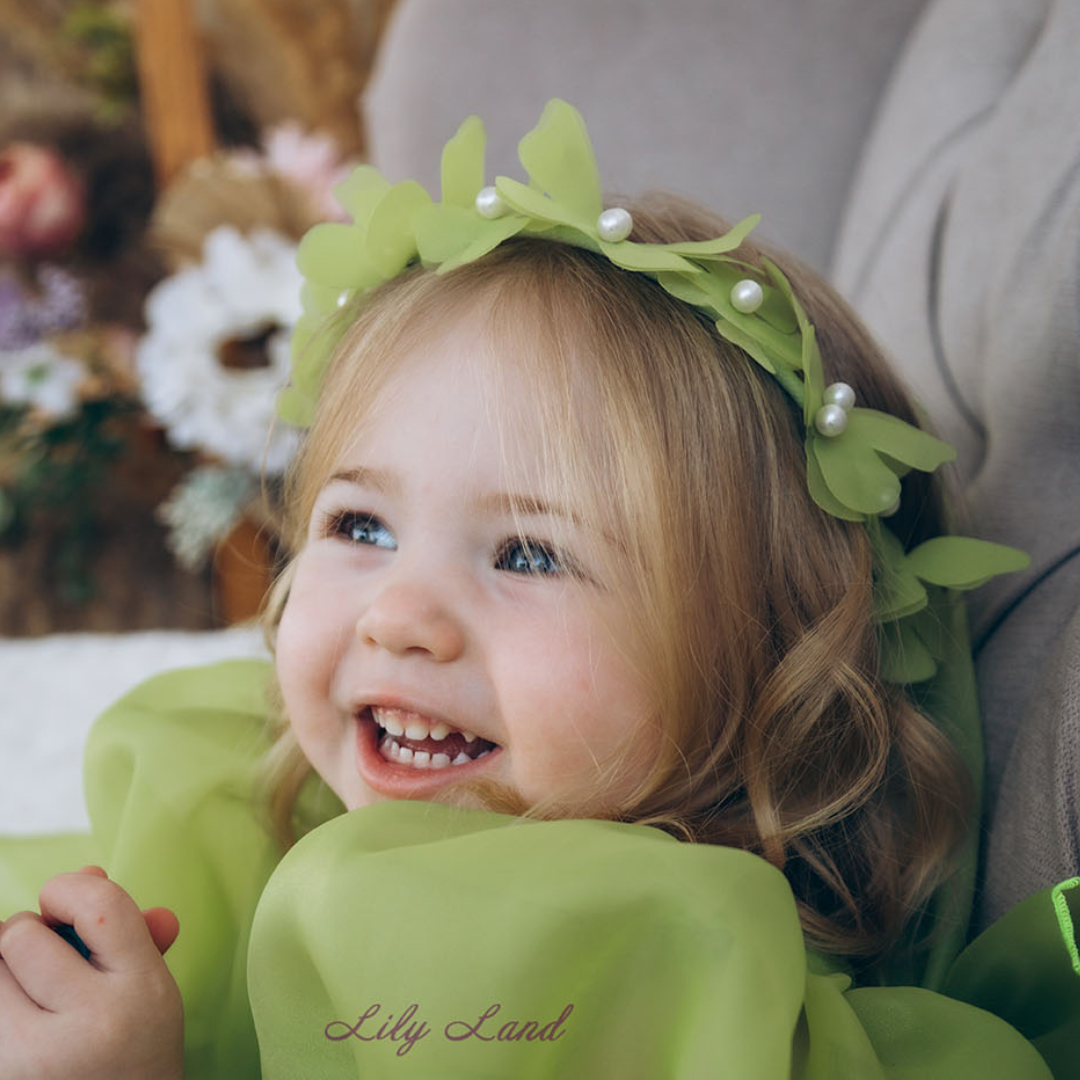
(116,1015)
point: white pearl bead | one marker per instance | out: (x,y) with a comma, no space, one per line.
(614,225)
(747,296)
(830,420)
(489,204)
(839,393)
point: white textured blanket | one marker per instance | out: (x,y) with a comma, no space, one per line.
(52,688)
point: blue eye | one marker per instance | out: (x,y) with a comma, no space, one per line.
(520,556)
(362,529)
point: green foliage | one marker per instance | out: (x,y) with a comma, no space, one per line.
(105,39)
(58,472)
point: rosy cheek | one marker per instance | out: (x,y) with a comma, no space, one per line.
(297,651)
(289,639)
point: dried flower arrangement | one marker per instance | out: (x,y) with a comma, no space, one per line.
(146,308)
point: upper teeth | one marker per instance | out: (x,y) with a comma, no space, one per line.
(412,726)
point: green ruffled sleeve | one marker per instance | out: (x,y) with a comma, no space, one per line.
(170,773)
(407,939)
(472,944)
(1026,969)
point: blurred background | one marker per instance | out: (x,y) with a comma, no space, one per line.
(159,160)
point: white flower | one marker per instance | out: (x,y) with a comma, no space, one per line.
(245,286)
(43,378)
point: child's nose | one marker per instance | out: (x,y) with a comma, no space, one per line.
(405,617)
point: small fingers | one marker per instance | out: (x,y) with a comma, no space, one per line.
(17,1012)
(163,925)
(104,916)
(37,964)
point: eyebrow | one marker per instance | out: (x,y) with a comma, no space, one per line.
(386,483)
(529,505)
(501,502)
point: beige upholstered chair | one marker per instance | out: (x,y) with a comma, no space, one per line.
(745,107)
(958,239)
(961,248)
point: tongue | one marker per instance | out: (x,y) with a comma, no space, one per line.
(452,745)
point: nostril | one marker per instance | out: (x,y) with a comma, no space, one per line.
(403,623)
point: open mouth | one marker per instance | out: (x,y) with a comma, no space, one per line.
(417,744)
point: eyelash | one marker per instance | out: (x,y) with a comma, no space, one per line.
(343,525)
(530,550)
(520,550)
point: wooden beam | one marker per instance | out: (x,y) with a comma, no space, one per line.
(173,85)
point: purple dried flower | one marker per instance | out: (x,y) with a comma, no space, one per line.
(25,318)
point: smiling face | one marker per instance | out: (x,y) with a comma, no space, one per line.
(441,590)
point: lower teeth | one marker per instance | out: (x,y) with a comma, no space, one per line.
(393,751)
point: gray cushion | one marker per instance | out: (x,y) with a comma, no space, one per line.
(960,247)
(1035,826)
(745,107)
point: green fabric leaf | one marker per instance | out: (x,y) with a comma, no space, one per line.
(704,249)
(819,490)
(897,467)
(493,234)
(854,473)
(360,192)
(565,234)
(312,347)
(444,232)
(935,634)
(650,258)
(333,254)
(899,440)
(303,334)
(295,408)
(558,156)
(898,595)
(687,287)
(813,376)
(810,357)
(776,311)
(962,562)
(463,164)
(529,201)
(781,282)
(391,242)
(749,344)
(319,299)
(904,657)
(771,342)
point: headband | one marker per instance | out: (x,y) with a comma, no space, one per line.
(855,456)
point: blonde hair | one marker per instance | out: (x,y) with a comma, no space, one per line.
(747,608)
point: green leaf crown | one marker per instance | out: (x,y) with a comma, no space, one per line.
(854,461)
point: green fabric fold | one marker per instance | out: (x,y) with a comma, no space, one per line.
(678,960)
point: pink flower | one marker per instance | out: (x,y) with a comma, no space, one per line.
(42,208)
(312,161)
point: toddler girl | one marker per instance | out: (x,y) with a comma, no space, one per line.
(598,543)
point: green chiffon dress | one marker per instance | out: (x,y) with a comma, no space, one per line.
(408,939)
